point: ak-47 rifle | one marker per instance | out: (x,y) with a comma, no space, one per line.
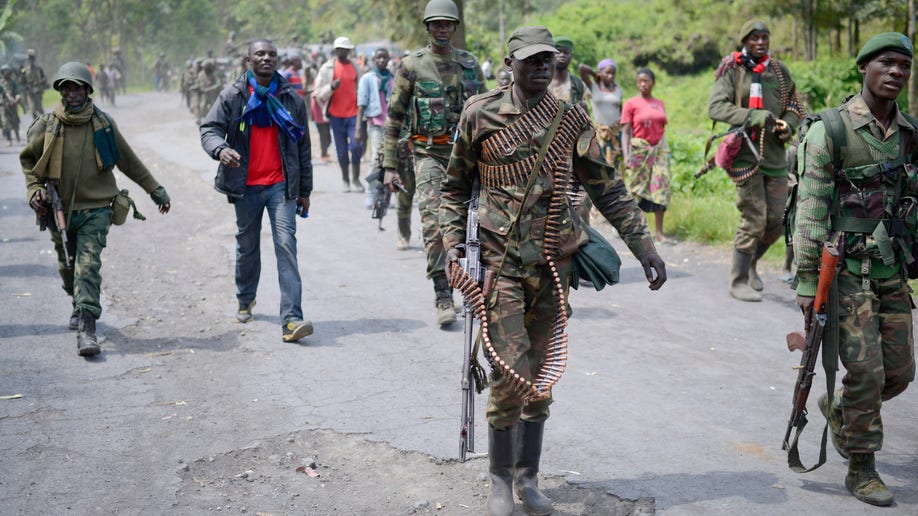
(471,265)
(382,196)
(710,163)
(56,214)
(827,270)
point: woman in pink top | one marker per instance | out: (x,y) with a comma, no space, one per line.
(646,155)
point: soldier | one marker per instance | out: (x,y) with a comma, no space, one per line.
(161,73)
(528,235)
(11,98)
(767,103)
(431,86)
(34,82)
(118,64)
(55,152)
(872,149)
(208,87)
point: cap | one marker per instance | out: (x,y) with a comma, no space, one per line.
(564,42)
(895,41)
(343,42)
(752,26)
(529,41)
(30,52)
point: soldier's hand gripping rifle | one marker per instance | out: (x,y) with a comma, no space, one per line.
(472,376)
(733,132)
(827,270)
(383,196)
(55,216)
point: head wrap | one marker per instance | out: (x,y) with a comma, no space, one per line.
(894,41)
(606,63)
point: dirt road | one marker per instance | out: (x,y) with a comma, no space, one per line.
(673,402)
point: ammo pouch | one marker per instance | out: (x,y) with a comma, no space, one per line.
(121,205)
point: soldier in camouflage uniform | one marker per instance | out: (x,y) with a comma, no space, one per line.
(874,304)
(11,97)
(527,242)
(431,86)
(208,87)
(767,102)
(34,83)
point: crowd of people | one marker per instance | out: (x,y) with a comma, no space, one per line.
(538,153)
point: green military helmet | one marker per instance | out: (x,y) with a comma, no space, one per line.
(441,10)
(73,71)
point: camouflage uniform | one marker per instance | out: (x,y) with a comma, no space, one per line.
(522,304)
(34,82)
(875,321)
(11,95)
(428,95)
(208,87)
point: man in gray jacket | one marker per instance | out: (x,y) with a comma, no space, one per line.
(256,129)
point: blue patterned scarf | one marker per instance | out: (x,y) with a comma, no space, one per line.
(264,108)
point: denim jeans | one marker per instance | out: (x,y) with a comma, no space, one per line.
(343,131)
(282,213)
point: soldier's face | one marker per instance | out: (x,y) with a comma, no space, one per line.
(533,74)
(757,44)
(886,74)
(441,31)
(263,56)
(564,58)
(73,94)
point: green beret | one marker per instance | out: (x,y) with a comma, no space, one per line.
(895,41)
(752,26)
(564,42)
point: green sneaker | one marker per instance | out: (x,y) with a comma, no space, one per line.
(865,483)
(244,314)
(296,330)
(834,417)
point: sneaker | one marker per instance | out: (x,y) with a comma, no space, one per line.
(244,314)
(296,330)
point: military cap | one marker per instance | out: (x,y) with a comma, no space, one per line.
(752,26)
(529,41)
(564,42)
(895,41)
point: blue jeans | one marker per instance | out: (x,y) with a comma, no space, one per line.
(282,213)
(343,132)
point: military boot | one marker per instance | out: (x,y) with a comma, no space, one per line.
(739,278)
(500,456)
(755,281)
(446,311)
(87,344)
(526,469)
(356,185)
(74,320)
(404,233)
(833,415)
(864,482)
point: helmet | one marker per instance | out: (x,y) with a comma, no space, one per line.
(73,71)
(6,68)
(441,10)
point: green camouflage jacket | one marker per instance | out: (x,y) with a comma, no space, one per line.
(486,115)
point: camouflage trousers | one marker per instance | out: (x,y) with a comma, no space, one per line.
(429,172)
(521,310)
(760,201)
(87,233)
(877,350)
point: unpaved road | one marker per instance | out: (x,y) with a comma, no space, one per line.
(673,402)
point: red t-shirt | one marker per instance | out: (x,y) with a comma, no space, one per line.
(344,99)
(265,168)
(647,118)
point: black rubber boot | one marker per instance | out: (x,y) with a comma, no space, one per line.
(739,278)
(356,185)
(87,344)
(755,281)
(500,455)
(526,469)
(446,311)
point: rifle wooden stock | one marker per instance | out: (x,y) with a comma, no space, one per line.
(60,221)
(806,370)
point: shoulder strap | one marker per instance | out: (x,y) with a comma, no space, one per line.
(835,129)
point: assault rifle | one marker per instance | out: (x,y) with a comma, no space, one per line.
(382,196)
(814,337)
(56,214)
(471,265)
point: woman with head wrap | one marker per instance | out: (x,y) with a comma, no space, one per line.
(606,100)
